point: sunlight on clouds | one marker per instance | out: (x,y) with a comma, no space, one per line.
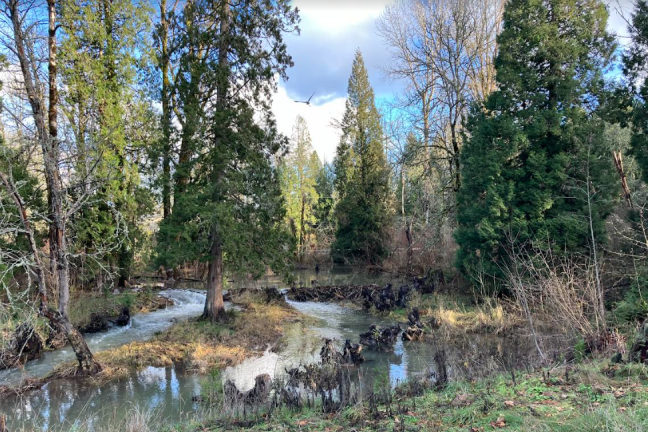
(338,15)
(319,118)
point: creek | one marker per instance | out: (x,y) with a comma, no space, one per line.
(165,394)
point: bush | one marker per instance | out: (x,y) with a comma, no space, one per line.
(212,388)
(634,305)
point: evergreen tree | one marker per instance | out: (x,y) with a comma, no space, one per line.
(299,173)
(103,46)
(537,145)
(228,210)
(635,62)
(323,210)
(361,176)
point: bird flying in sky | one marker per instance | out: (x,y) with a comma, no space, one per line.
(307,102)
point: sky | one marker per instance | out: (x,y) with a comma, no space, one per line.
(331,32)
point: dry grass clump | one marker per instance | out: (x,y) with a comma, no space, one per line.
(261,325)
(202,345)
(490,316)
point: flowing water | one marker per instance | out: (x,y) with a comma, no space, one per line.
(166,393)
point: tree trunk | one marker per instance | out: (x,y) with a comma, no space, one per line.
(300,249)
(214,306)
(166,110)
(47,136)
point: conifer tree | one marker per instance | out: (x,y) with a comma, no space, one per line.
(228,210)
(537,143)
(103,45)
(635,62)
(362,176)
(299,173)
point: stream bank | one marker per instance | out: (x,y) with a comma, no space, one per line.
(160,360)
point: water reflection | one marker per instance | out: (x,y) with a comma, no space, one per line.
(63,405)
(168,391)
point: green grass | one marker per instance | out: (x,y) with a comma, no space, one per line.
(590,397)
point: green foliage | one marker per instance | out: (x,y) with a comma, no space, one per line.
(299,172)
(634,305)
(211,389)
(635,61)
(323,210)
(537,153)
(580,350)
(14,164)
(103,48)
(227,191)
(127,300)
(364,211)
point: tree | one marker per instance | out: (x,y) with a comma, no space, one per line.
(23,46)
(537,144)
(363,212)
(635,66)
(323,209)
(443,52)
(299,174)
(228,210)
(102,48)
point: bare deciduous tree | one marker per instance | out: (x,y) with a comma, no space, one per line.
(23,44)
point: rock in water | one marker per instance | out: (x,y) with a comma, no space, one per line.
(352,353)
(123,318)
(98,323)
(330,354)
(414,317)
(255,397)
(415,330)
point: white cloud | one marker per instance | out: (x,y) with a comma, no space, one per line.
(319,118)
(338,15)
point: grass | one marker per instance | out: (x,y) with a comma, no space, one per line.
(199,345)
(585,398)
(459,313)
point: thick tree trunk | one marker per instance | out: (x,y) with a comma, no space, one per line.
(214,306)
(87,363)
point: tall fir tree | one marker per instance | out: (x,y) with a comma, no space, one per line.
(635,67)
(537,147)
(298,173)
(364,211)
